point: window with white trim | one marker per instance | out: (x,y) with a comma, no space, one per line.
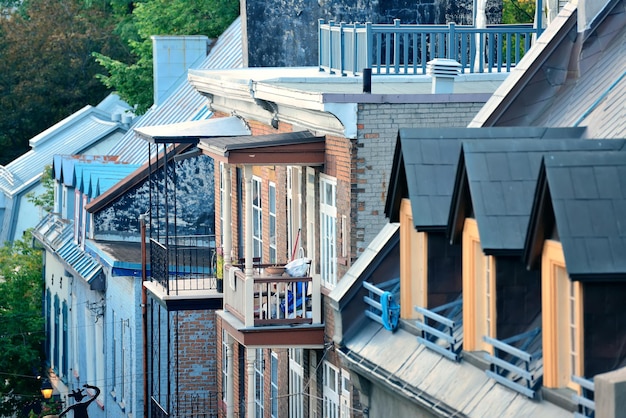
(331,391)
(345,399)
(259,398)
(272,219)
(562,320)
(224,364)
(222,197)
(328,231)
(257,218)
(274,383)
(479,304)
(296,383)
(294,207)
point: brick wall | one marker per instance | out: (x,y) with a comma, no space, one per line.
(378,126)
(195,354)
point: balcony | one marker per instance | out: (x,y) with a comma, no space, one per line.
(442,329)
(514,365)
(266,309)
(406,49)
(184,269)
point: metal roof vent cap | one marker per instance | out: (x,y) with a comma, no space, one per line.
(443,71)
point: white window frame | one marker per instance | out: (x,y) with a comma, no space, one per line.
(296,383)
(271,194)
(328,231)
(257,217)
(274,385)
(345,398)
(331,390)
(224,364)
(222,196)
(294,208)
(259,395)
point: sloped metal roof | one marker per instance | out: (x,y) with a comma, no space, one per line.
(440,386)
(502,177)
(568,78)
(185,103)
(70,136)
(58,235)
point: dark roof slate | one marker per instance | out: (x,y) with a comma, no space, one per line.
(502,176)
(425,162)
(590,216)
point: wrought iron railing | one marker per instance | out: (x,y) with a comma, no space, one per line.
(406,49)
(382,305)
(442,329)
(513,365)
(186,263)
(188,405)
(586,406)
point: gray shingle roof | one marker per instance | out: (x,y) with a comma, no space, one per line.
(588,194)
(502,177)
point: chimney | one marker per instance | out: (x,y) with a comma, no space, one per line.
(172,57)
(443,71)
(610,394)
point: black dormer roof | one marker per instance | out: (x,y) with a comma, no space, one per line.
(425,162)
(584,195)
(497,180)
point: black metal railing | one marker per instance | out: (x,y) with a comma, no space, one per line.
(188,405)
(513,365)
(586,406)
(442,329)
(184,263)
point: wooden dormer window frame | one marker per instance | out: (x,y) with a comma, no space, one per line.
(479,295)
(413,264)
(562,321)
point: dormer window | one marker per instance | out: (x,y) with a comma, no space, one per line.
(562,324)
(479,302)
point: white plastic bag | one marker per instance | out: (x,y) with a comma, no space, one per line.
(298,267)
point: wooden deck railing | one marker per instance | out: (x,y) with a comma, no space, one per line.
(264,299)
(399,49)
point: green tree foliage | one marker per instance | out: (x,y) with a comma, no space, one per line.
(45,200)
(21,325)
(47,71)
(133,80)
(518,11)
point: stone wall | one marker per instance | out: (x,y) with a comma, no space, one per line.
(283,33)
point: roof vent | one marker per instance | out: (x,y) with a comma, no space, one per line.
(443,71)
(116,117)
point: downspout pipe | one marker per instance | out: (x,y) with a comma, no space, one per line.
(144,312)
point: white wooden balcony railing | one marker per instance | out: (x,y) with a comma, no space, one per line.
(266,300)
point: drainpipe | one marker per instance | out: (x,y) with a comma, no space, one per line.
(144,312)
